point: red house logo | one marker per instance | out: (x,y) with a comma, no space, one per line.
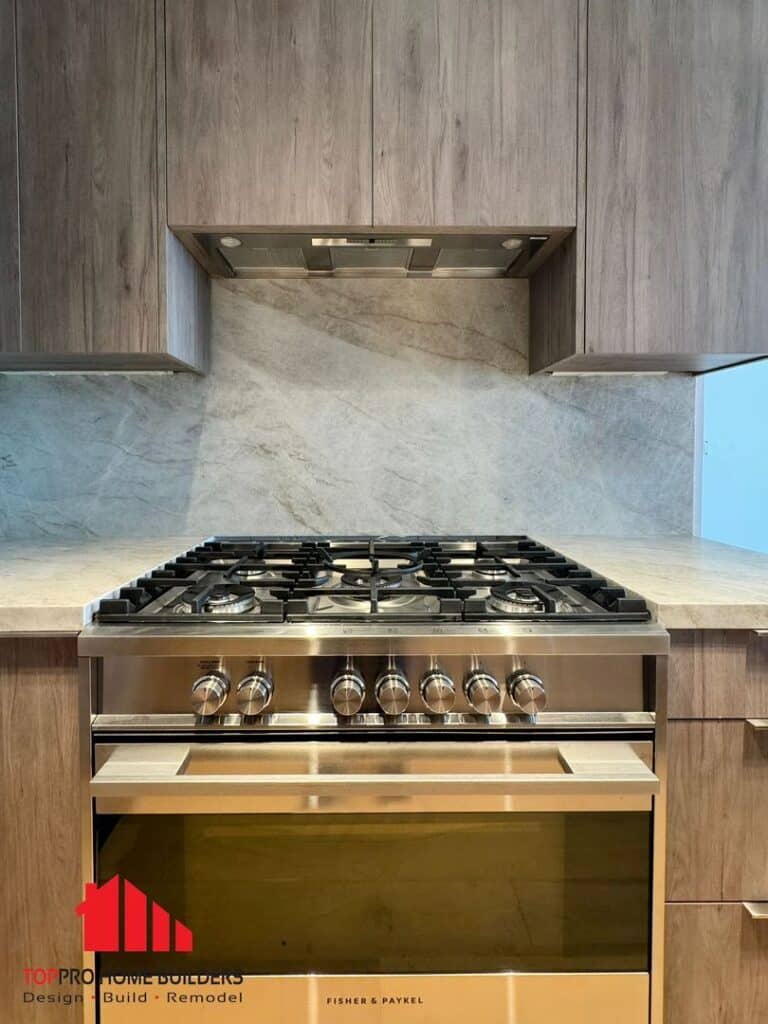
(100,911)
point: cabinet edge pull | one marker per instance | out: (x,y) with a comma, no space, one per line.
(758,724)
(757,911)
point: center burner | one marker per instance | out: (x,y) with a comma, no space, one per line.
(361,579)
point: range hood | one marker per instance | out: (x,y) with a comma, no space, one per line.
(434,254)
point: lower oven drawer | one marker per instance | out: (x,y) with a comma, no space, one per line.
(336,777)
(509,880)
(398,999)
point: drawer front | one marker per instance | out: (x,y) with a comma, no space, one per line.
(717,838)
(716,965)
(718,673)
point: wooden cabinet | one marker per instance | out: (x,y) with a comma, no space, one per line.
(9,190)
(716,965)
(717,833)
(41,809)
(673,241)
(716,673)
(475,112)
(269,112)
(93,249)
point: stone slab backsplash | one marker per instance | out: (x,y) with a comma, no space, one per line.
(349,406)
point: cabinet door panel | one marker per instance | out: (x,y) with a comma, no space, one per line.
(717,833)
(677,247)
(88,176)
(269,112)
(9,190)
(475,111)
(716,965)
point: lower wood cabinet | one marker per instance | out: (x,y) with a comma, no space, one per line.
(717,836)
(716,965)
(40,816)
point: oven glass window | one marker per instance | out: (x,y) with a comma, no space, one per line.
(390,893)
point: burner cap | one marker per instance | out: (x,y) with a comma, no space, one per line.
(221,600)
(250,573)
(364,579)
(490,567)
(515,599)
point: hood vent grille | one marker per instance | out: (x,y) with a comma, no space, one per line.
(251,254)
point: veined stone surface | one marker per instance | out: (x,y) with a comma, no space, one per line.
(349,406)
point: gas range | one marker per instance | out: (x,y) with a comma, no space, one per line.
(383,579)
(322,714)
(411,633)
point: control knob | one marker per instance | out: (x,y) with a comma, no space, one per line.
(482,691)
(347,692)
(254,692)
(527,692)
(392,692)
(438,691)
(209,692)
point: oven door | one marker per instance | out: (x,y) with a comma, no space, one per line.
(348,881)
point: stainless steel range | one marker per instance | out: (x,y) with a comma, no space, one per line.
(413,775)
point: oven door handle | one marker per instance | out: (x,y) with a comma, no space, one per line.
(317,777)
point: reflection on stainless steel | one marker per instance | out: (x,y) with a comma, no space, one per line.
(254,693)
(438,692)
(527,692)
(209,693)
(482,692)
(347,692)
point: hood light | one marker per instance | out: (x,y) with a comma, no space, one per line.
(230,242)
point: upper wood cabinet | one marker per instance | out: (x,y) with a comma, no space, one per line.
(475,112)
(9,206)
(269,112)
(93,261)
(673,245)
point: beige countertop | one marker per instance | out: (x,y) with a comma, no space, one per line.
(688,582)
(53,587)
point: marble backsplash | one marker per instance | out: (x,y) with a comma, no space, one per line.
(349,406)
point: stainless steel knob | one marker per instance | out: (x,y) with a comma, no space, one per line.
(347,692)
(482,691)
(392,692)
(254,692)
(209,692)
(438,691)
(527,692)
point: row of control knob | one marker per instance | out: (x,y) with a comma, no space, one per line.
(392,691)
(253,693)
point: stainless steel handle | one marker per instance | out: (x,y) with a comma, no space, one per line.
(757,911)
(376,778)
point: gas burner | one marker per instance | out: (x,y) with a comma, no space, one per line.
(489,567)
(250,573)
(222,600)
(388,600)
(366,579)
(516,600)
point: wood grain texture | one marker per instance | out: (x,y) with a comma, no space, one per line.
(475,112)
(269,112)
(756,702)
(554,326)
(40,839)
(708,674)
(10,333)
(716,965)
(87,109)
(187,306)
(717,830)
(677,177)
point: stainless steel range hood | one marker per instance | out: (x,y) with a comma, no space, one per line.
(433,254)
